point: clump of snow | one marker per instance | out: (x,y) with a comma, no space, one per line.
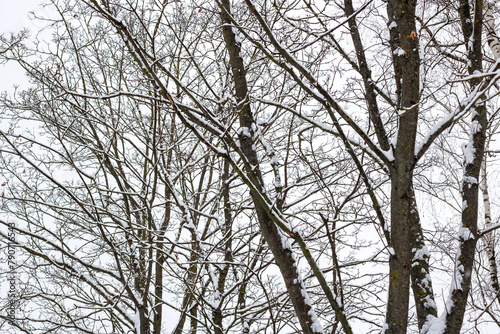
(434,325)
(236,37)
(305,295)
(420,253)
(217,300)
(399,52)
(475,127)
(245,132)
(285,242)
(436,127)
(469,180)
(388,154)
(316,325)
(426,281)
(430,303)
(456,283)
(465,234)
(469,152)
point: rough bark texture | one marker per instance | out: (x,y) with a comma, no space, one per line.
(474,150)
(283,256)
(468,232)
(407,66)
(407,231)
(421,282)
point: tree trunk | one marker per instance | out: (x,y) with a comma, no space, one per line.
(160,256)
(489,238)
(474,151)
(407,70)
(421,282)
(228,256)
(279,247)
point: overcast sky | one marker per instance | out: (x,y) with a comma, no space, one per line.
(13,17)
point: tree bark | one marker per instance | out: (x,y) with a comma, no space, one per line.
(474,150)
(407,70)
(421,282)
(489,238)
(281,251)
(228,255)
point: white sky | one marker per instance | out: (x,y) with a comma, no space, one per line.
(14,17)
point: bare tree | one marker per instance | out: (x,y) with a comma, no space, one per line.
(185,153)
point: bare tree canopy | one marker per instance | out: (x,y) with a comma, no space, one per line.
(252,167)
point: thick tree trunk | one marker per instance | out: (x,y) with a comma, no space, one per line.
(399,260)
(460,285)
(474,150)
(279,247)
(407,70)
